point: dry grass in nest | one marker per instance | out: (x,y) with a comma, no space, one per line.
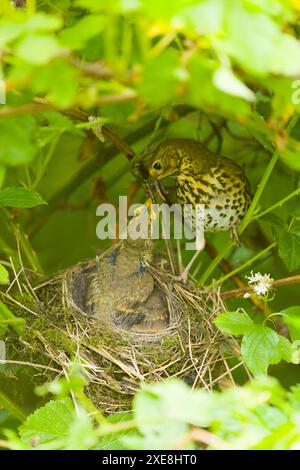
(116,362)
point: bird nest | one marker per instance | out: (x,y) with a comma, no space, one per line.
(117,362)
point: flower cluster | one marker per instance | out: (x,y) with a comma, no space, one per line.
(261,283)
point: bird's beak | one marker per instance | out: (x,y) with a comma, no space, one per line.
(161,177)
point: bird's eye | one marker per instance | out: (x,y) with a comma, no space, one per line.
(156,166)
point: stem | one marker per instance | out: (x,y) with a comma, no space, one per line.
(245,264)
(12,321)
(249,215)
(91,408)
(259,191)
(117,427)
(11,407)
(31,108)
(47,159)
(25,244)
(215,262)
(277,204)
(161,45)
(28,250)
(231,294)
(5,263)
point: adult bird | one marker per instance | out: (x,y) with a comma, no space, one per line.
(203,178)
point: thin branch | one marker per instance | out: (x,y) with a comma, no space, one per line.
(95,69)
(29,364)
(231,294)
(247,263)
(32,108)
(108,133)
(127,95)
(277,204)
(22,238)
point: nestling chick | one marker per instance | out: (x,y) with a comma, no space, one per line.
(122,292)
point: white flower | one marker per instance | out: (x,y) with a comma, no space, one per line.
(261,283)
(253,278)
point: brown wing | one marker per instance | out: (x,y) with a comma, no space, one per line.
(128,292)
(155,314)
(99,295)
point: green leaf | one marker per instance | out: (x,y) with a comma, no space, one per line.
(64,386)
(4,276)
(157,9)
(60,123)
(260,348)
(114,441)
(85,29)
(11,407)
(58,81)
(38,49)
(290,154)
(293,207)
(294,396)
(202,92)
(160,70)
(8,318)
(205,18)
(291,317)
(286,349)
(234,323)
(42,22)
(20,197)
(17,140)
(289,248)
(272,51)
(9,31)
(273,219)
(163,412)
(81,434)
(226,81)
(63,90)
(50,422)
(39,22)
(295,359)
(103,5)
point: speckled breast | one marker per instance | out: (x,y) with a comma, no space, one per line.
(224,205)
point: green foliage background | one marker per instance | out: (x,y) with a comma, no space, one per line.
(233,65)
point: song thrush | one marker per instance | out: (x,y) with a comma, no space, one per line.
(203,177)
